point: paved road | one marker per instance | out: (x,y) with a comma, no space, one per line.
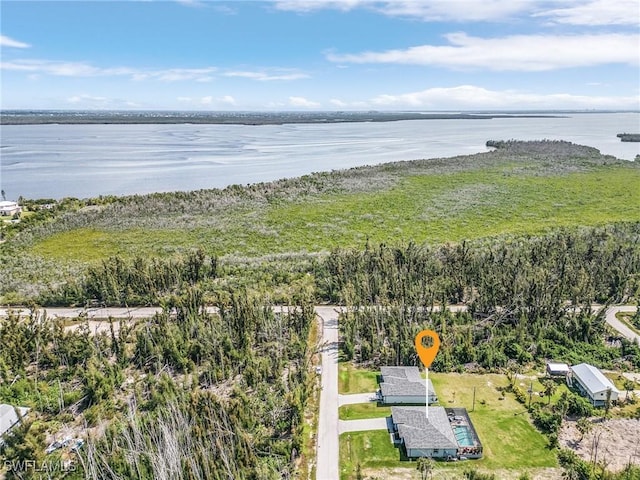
(618,325)
(327,447)
(90,313)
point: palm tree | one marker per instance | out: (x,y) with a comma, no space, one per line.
(550,388)
(425,467)
(584,426)
(607,404)
(628,386)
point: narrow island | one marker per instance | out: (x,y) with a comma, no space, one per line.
(629,137)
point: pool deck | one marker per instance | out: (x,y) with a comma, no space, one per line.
(472,447)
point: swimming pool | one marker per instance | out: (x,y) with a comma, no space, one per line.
(463,436)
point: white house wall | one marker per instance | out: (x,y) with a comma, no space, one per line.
(430,452)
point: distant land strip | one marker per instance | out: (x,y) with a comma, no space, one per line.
(236,118)
(629,137)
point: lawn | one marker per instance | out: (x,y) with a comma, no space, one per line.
(510,441)
(363,410)
(372,449)
(508,438)
(356,380)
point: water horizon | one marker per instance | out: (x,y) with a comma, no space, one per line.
(90,160)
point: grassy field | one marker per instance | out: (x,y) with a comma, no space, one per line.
(510,442)
(362,410)
(356,380)
(626,319)
(372,449)
(424,208)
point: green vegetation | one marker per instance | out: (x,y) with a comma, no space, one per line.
(509,439)
(371,449)
(528,299)
(363,410)
(356,380)
(522,188)
(227,391)
(631,320)
(542,230)
(306,463)
(422,208)
(503,425)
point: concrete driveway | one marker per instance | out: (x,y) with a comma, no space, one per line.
(356,398)
(363,425)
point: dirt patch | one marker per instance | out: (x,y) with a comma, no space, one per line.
(615,442)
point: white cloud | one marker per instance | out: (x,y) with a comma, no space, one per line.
(311,5)
(265,77)
(10,42)
(190,3)
(596,12)
(86,101)
(83,98)
(302,102)
(228,99)
(66,69)
(432,10)
(574,12)
(338,103)
(470,97)
(457,11)
(207,100)
(80,69)
(517,52)
(176,74)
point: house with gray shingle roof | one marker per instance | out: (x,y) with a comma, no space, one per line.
(592,383)
(405,385)
(444,433)
(9,417)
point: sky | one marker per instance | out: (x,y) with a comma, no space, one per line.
(270,55)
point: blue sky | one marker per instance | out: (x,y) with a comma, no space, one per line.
(321,54)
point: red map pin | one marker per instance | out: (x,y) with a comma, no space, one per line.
(427,354)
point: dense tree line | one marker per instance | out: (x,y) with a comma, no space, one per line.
(527,298)
(185,394)
(139,281)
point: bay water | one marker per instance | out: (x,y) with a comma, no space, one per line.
(55,161)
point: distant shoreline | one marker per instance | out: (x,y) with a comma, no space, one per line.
(239,118)
(629,137)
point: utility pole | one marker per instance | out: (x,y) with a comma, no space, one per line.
(530,394)
(473,408)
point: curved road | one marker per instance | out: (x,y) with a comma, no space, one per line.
(611,319)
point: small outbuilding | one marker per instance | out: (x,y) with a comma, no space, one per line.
(592,383)
(557,369)
(8,209)
(405,385)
